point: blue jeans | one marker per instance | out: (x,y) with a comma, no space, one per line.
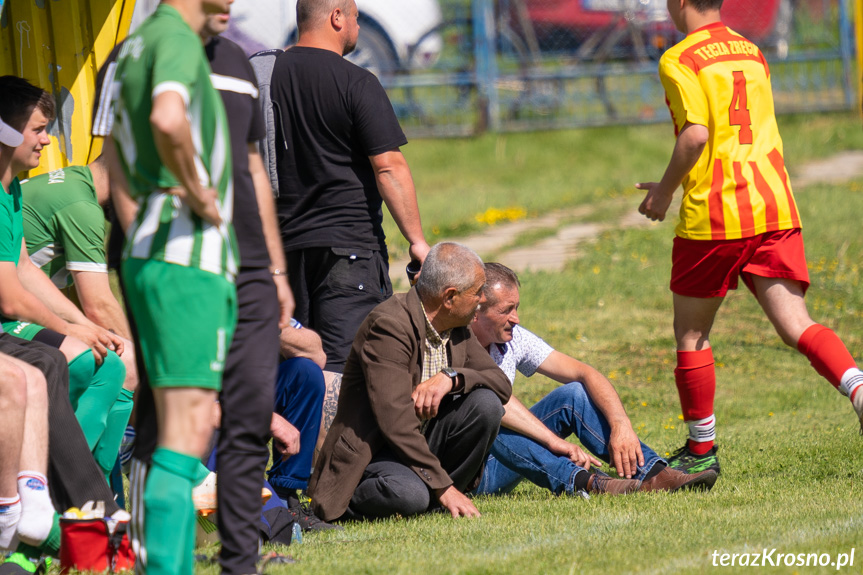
(566,410)
(300,390)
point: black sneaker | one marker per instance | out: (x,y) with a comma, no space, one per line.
(687,462)
(305,517)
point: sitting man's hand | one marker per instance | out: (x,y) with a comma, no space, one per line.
(98,339)
(456,503)
(428,395)
(286,437)
(624,450)
(574,453)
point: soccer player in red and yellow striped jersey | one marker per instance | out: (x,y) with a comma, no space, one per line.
(738,217)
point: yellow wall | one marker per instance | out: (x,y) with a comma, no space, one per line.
(59,46)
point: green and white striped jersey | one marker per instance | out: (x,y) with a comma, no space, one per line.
(165,55)
(64,224)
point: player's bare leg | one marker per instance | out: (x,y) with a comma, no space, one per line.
(782,301)
(185,417)
(695,377)
(37,514)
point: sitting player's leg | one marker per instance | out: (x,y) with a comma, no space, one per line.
(13,402)
(695,377)
(94,389)
(37,516)
(783,302)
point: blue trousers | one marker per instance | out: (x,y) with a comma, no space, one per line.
(567,410)
(300,390)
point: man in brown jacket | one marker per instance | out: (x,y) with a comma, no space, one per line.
(420,404)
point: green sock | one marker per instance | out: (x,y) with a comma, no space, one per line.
(81,370)
(98,399)
(108,446)
(169,515)
(51,545)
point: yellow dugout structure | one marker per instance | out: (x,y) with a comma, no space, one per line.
(59,45)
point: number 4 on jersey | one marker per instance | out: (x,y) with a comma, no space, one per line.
(738,112)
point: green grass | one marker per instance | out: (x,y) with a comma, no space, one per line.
(790,450)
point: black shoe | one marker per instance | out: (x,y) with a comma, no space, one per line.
(303,515)
(687,462)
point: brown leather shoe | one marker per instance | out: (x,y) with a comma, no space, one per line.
(605,484)
(672,480)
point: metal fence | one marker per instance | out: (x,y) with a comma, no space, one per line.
(507,65)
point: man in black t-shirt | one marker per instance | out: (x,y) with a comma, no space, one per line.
(338,159)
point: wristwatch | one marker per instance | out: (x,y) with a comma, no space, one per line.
(452,374)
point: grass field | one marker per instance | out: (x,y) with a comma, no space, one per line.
(790,447)
(790,450)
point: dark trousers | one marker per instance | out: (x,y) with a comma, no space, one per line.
(335,289)
(73,475)
(460,437)
(300,390)
(247,409)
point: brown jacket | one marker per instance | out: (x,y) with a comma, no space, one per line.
(375,406)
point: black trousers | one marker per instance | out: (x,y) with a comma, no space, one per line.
(73,475)
(460,436)
(247,399)
(335,289)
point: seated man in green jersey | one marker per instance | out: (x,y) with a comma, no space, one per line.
(31,307)
(64,226)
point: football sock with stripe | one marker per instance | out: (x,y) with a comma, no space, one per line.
(108,446)
(826,352)
(50,546)
(695,377)
(37,511)
(169,515)
(10,514)
(99,395)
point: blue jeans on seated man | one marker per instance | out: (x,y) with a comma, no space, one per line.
(567,410)
(300,390)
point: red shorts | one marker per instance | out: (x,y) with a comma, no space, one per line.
(709,268)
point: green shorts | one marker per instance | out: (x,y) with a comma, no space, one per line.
(22,329)
(185,319)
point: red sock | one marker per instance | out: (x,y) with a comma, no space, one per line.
(826,352)
(696,385)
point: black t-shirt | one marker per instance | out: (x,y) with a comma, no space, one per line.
(335,115)
(235,80)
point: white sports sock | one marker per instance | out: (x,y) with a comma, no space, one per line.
(37,514)
(703,429)
(10,513)
(851,380)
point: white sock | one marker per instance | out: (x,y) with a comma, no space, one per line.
(703,429)
(37,514)
(10,513)
(851,380)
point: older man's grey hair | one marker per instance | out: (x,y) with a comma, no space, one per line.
(313,13)
(448,264)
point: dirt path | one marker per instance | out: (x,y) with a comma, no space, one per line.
(567,229)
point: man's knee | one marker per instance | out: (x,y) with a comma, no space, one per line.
(486,408)
(301,375)
(572,394)
(13,388)
(391,495)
